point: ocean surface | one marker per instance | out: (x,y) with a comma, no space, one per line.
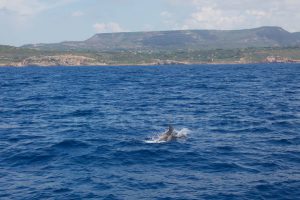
(82,132)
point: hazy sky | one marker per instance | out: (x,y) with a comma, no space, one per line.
(34,21)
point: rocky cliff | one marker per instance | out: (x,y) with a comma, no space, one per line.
(59,60)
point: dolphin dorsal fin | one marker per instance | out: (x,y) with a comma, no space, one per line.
(171,128)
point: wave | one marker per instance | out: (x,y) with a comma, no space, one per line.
(28,158)
(82,113)
(281,141)
(69,143)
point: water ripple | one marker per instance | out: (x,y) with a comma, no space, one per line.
(79,132)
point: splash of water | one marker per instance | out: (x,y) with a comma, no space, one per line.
(183,133)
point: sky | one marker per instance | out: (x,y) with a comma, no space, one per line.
(47,21)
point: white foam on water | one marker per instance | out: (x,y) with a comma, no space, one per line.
(154,141)
(183,133)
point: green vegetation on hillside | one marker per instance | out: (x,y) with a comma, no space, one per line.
(182,40)
(12,56)
(264,44)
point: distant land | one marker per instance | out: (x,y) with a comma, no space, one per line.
(259,45)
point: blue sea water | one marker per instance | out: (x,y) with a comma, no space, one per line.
(80,132)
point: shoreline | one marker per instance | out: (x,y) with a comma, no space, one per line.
(29,58)
(147,64)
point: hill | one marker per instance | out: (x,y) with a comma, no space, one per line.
(180,40)
(264,44)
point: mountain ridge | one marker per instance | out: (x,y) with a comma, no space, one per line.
(266,36)
(267,44)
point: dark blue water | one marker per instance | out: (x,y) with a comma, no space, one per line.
(79,133)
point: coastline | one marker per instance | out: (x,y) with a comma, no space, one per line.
(51,59)
(147,64)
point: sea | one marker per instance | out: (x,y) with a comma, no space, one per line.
(89,132)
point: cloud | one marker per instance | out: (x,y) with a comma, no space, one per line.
(77,14)
(212,17)
(29,7)
(237,14)
(21,7)
(169,20)
(110,27)
(166,14)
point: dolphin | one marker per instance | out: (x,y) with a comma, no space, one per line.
(169,135)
